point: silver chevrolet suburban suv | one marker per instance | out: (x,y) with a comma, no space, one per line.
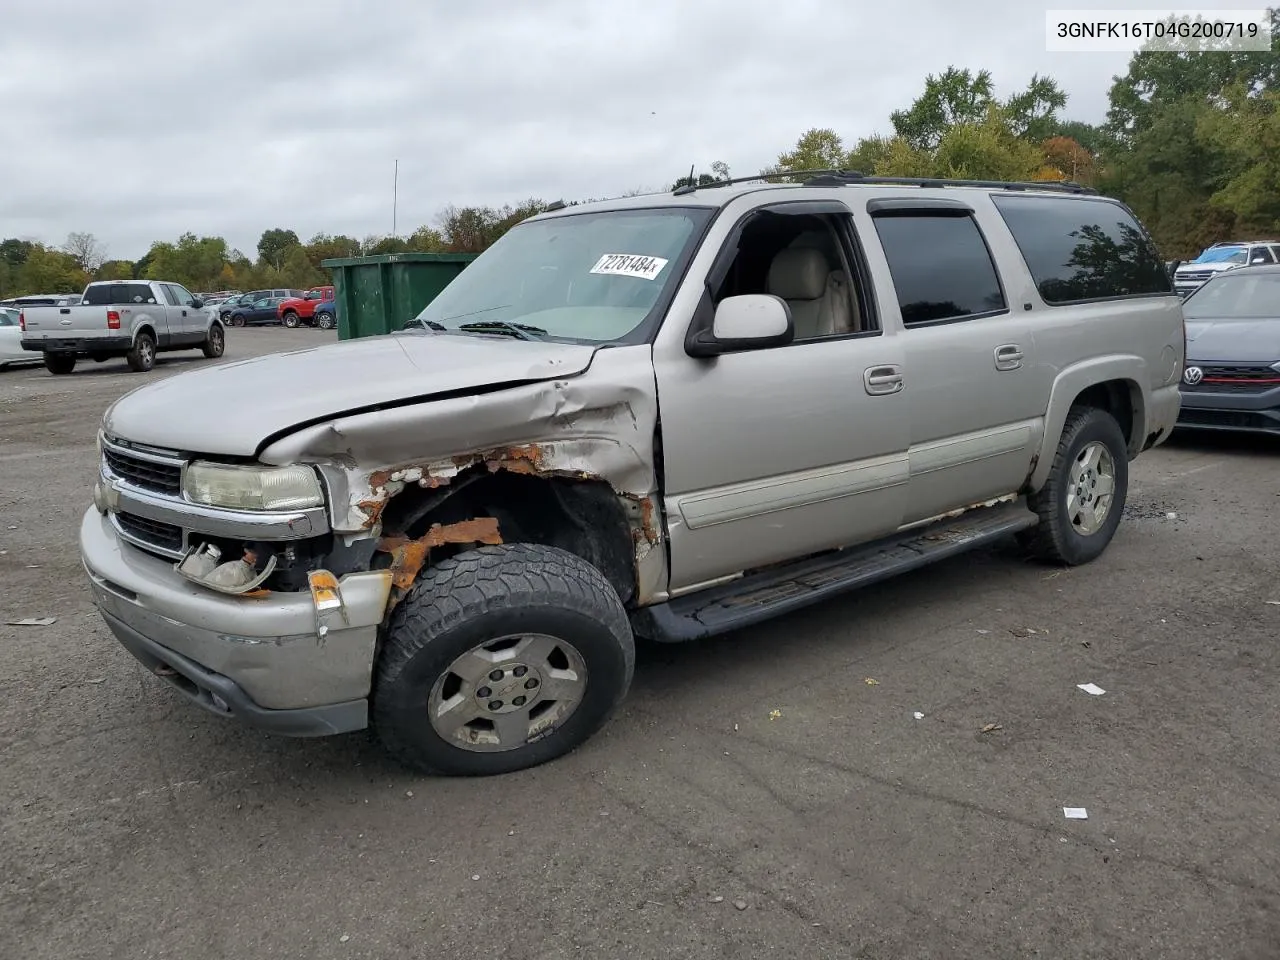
(667,416)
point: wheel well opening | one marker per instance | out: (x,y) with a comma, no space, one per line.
(1120,398)
(585,517)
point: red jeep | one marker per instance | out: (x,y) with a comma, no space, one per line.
(303,309)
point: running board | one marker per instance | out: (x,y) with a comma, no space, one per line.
(791,586)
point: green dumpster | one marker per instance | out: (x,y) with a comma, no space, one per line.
(375,295)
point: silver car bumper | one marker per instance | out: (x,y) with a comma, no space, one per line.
(276,662)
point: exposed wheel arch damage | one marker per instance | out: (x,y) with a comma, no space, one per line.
(586,482)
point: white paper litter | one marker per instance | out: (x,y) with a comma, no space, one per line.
(1075,813)
(1092,688)
(31,622)
(919,715)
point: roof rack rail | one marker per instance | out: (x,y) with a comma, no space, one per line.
(839,178)
(689,188)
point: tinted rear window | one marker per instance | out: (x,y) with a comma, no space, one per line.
(1081,249)
(106,294)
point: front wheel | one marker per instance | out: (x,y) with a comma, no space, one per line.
(215,343)
(143,355)
(59,364)
(1081,503)
(237,321)
(324,320)
(499,659)
(290,319)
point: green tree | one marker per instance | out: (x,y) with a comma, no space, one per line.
(15,252)
(1032,114)
(115,270)
(298,270)
(1157,78)
(955,96)
(195,262)
(274,246)
(50,271)
(325,247)
(817,149)
(1247,135)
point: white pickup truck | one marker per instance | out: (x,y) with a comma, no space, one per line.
(133,319)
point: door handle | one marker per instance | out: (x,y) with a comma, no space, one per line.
(880,381)
(1009,357)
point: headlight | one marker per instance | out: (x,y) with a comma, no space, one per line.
(252,487)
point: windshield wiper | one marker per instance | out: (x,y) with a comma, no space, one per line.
(521,331)
(417,323)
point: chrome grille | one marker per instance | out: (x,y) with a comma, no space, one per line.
(148,471)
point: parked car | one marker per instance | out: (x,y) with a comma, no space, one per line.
(11,352)
(133,319)
(1222,257)
(326,314)
(1231,380)
(302,309)
(672,415)
(246,299)
(261,311)
(43,300)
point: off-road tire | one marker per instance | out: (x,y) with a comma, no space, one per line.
(59,364)
(143,355)
(215,343)
(484,594)
(290,319)
(1056,540)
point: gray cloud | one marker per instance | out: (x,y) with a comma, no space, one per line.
(249,114)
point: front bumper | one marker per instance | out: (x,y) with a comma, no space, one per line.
(274,662)
(1230,411)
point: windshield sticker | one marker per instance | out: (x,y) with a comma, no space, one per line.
(629,265)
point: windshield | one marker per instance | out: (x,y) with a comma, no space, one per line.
(593,277)
(1223,255)
(1236,297)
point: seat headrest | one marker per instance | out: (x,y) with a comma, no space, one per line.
(798,273)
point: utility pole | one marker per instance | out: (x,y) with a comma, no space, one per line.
(395,196)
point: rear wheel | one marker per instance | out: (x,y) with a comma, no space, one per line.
(215,343)
(1081,503)
(290,319)
(501,658)
(324,320)
(59,363)
(143,355)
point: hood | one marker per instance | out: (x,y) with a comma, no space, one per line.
(228,410)
(1233,341)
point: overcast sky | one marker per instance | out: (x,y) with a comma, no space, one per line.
(139,121)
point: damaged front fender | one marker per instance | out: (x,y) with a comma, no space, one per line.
(597,426)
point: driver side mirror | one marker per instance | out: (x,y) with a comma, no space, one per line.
(197,304)
(751,321)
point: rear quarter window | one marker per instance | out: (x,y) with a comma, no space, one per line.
(1079,249)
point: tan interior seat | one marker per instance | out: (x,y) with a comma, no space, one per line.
(817,295)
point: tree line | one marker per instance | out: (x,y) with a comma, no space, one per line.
(1191,142)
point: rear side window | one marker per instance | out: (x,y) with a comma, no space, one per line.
(941,267)
(108,294)
(1080,249)
(1261,255)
